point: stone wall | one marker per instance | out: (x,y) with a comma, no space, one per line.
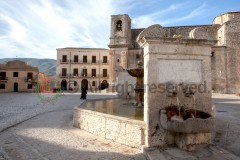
(223,18)
(232,35)
(219,69)
(119,129)
(173,60)
(135,33)
(185,30)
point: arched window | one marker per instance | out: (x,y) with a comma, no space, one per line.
(119,25)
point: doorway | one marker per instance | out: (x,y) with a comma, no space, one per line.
(84,84)
(15,87)
(64,85)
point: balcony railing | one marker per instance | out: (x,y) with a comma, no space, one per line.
(83,76)
(64,61)
(105,62)
(31,80)
(3,79)
(63,75)
(82,62)
(28,79)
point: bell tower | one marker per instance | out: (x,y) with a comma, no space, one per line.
(120,31)
(120,42)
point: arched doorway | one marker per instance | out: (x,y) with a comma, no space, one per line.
(85,83)
(64,85)
(104,84)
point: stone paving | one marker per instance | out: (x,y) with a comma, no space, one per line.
(50,135)
(47,131)
(227,131)
(17,107)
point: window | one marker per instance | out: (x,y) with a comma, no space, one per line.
(93,83)
(84,59)
(117,60)
(64,71)
(137,56)
(29,75)
(84,72)
(64,58)
(104,59)
(15,74)
(119,25)
(2,86)
(3,76)
(29,86)
(93,59)
(104,72)
(93,72)
(75,83)
(75,72)
(76,58)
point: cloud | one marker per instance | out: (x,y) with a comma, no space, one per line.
(193,14)
(149,19)
(37,28)
(163,16)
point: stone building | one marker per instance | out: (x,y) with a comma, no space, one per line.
(124,52)
(17,76)
(78,67)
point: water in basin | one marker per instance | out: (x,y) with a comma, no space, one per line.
(118,107)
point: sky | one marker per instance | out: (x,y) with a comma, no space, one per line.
(35,28)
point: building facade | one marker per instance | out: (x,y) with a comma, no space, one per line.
(124,52)
(17,76)
(78,67)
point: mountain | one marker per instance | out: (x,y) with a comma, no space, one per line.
(47,66)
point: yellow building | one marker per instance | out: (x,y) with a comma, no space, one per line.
(17,76)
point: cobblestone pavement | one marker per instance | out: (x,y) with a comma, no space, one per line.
(50,135)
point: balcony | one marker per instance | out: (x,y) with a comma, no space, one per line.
(30,80)
(82,76)
(104,62)
(63,75)
(95,76)
(3,79)
(64,61)
(104,76)
(82,62)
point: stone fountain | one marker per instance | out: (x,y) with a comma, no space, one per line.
(139,90)
(177,96)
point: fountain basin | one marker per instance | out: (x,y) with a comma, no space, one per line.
(136,72)
(103,119)
(190,125)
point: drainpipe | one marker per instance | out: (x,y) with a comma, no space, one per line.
(69,72)
(99,69)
